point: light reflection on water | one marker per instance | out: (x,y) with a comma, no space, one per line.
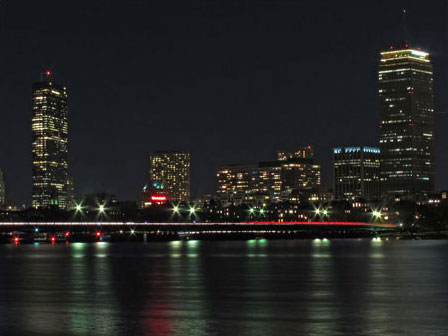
(255,287)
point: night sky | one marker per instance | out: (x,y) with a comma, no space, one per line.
(231,82)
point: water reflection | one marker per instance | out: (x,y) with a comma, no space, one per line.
(258,287)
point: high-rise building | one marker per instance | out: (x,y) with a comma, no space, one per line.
(303,152)
(291,176)
(357,173)
(170,172)
(71,198)
(2,189)
(406,122)
(257,184)
(50,147)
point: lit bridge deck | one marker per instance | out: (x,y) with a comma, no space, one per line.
(199,225)
(122,231)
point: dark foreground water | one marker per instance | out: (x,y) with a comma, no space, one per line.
(337,287)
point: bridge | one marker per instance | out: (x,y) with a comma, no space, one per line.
(141,231)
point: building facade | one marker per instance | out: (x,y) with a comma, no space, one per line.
(170,172)
(50,144)
(287,179)
(406,122)
(357,173)
(2,189)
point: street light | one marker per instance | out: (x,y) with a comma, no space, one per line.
(176,209)
(101,211)
(262,211)
(376,214)
(192,211)
(251,211)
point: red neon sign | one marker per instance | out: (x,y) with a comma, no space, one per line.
(162,198)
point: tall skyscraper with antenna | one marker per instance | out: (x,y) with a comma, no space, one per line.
(50,143)
(406,105)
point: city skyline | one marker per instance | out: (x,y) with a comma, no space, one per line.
(285,121)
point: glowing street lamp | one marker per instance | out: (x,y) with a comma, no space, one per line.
(262,211)
(176,209)
(251,211)
(192,211)
(78,208)
(317,211)
(325,212)
(102,208)
(376,214)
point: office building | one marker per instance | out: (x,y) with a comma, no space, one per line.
(406,122)
(49,146)
(357,173)
(170,174)
(289,178)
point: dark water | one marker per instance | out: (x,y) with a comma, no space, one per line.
(340,287)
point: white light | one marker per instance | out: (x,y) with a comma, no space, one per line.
(419,53)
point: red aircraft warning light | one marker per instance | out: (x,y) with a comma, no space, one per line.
(98,234)
(48,72)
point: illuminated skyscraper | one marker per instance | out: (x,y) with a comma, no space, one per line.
(357,173)
(170,172)
(406,122)
(49,135)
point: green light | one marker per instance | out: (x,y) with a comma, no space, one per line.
(325,212)
(192,210)
(192,243)
(132,231)
(262,211)
(317,211)
(176,243)
(176,209)
(251,211)
(251,242)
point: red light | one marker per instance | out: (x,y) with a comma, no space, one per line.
(16,240)
(53,239)
(67,234)
(404,11)
(98,234)
(48,73)
(159,198)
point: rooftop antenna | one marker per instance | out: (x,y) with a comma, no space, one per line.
(404,26)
